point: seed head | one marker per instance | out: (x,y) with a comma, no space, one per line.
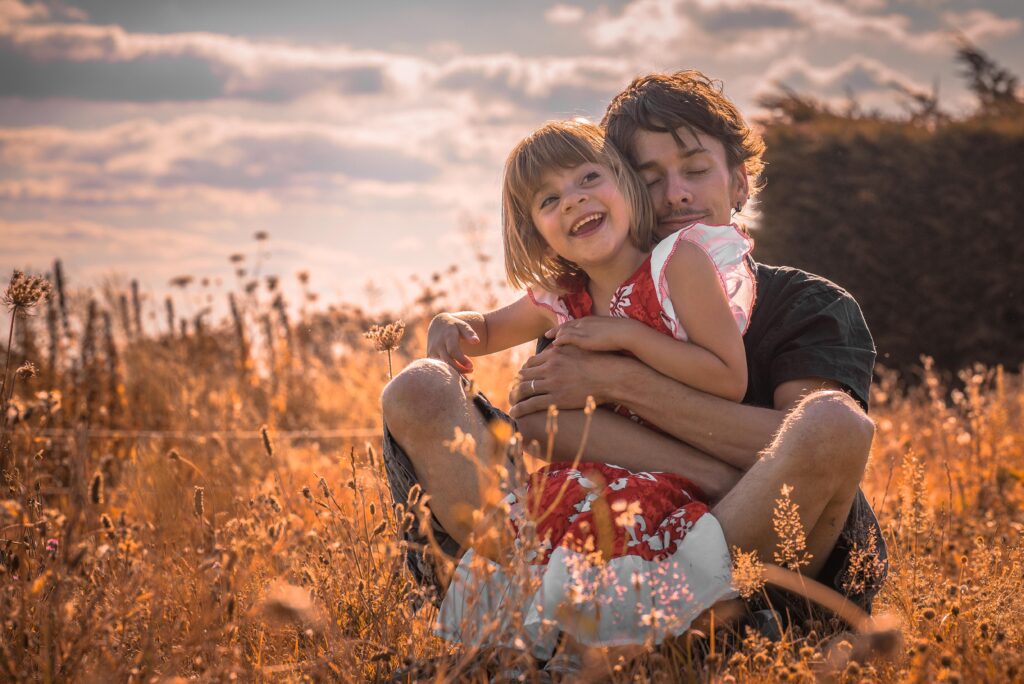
(267,444)
(747,572)
(107,523)
(386,337)
(325,489)
(96,488)
(25,291)
(26,370)
(181,281)
(197,502)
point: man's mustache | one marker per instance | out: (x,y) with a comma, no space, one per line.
(683,215)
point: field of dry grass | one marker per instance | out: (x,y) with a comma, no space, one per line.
(210,504)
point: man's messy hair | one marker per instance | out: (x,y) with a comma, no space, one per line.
(664,103)
(561,145)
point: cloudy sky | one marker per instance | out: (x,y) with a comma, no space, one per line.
(153,138)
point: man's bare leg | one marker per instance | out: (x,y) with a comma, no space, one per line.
(423,405)
(820,451)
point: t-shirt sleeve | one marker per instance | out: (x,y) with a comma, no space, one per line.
(825,336)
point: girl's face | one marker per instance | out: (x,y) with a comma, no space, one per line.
(582,215)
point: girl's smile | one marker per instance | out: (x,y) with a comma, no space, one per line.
(587,225)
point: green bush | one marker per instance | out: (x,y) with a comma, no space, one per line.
(920,222)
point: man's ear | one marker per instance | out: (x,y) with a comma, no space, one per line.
(740,184)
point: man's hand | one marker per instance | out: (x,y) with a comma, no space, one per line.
(594,333)
(563,376)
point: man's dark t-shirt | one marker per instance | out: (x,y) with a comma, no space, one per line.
(804,326)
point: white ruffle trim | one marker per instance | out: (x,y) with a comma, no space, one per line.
(626,601)
(551,302)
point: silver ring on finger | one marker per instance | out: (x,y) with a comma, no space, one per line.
(533,387)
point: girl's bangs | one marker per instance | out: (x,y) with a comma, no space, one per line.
(551,147)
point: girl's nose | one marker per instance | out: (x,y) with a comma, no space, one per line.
(574,200)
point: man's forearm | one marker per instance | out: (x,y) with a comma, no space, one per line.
(732,432)
(619,441)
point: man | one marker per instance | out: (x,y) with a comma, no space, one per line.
(802,424)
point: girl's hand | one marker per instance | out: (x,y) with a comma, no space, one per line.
(444,338)
(594,333)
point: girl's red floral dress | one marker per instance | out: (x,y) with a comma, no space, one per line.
(610,556)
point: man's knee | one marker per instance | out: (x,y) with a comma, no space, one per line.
(423,389)
(836,431)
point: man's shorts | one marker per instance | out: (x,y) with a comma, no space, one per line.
(859,533)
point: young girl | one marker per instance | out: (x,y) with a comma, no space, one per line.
(578,232)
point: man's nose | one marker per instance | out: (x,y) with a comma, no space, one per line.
(678,191)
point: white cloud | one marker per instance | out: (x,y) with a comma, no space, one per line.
(563,14)
(859,72)
(979,25)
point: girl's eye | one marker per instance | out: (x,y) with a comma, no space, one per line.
(652,182)
(698,172)
(591,177)
(547,200)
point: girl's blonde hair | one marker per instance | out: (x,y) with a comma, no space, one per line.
(561,144)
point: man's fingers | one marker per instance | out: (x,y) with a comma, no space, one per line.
(536,360)
(530,405)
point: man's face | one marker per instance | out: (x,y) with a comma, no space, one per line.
(691,183)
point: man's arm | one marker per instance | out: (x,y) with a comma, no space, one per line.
(730,432)
(611,438)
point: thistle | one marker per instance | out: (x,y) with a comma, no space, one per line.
(23,293)
(385,338)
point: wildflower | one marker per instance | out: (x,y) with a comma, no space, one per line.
(791,551)
(271,282)
(306,493)
(747,572)
(51,546)
(386,337)
(25,291)
(26,370)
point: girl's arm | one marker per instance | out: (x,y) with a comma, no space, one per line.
(453,337)
(713,359)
